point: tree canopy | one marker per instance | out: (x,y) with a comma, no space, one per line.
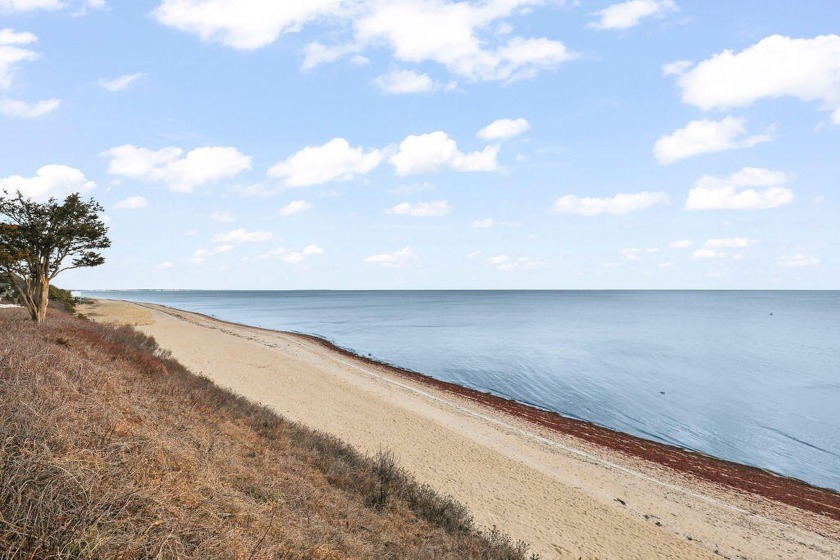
(39,240)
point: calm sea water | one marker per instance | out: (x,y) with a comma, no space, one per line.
(752,377)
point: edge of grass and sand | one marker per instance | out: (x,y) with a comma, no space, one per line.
(112,448)
(737,476)
(569,487)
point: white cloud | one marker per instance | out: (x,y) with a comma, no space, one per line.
(706,254)
(504,28)
(241,235)
(316,54)
(429,153)
(9,36)
(681,244)
(12,53)
(504,262)
(202,255)
(29,5)
(630,254)
(120,83)
(313,250)
(705,137)
(50,181)
(630,14)
(203,165)
(25,110)
(798,260)
(435,208)
(712,247)
(242,24)
(87,6)
(457,35)
(776,66)
(399,82)
(165,265)
(484,224)
(222,217)
(752,188)
(255,189)
(524,58)
(503,128)
(728,243)
(397,259)
(295,207)
(334,161)
(676,68)
(618,205)
(293,257)
(132,203)
(140,163)
(665,265)
(182,174)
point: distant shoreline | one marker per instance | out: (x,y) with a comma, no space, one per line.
(133,290)
(736,476)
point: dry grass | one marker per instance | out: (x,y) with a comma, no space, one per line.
(111,449)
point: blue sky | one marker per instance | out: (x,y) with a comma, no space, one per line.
(432,144)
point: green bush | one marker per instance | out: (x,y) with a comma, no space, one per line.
(62,298)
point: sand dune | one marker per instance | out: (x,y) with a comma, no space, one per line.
(568,497)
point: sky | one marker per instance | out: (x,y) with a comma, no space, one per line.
(434,144)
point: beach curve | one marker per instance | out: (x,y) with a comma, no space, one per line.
(570,493)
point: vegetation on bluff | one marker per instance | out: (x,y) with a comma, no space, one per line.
(111,449)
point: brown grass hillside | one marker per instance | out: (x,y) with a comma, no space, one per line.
(111,449)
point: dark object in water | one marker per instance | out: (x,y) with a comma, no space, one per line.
(661,392)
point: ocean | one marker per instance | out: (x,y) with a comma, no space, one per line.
(748,376)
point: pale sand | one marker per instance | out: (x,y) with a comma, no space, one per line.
(557,492)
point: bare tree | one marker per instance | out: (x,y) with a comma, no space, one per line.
(37,238)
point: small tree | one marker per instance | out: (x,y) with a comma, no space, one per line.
(37,238)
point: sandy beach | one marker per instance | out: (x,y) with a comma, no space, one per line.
(570,489)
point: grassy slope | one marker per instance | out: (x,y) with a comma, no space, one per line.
(109,448)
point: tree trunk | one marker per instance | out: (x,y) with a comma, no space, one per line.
(27,294)
(43,300)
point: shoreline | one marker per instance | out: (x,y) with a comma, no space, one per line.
(738,476)
(558,473)
(746,478)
